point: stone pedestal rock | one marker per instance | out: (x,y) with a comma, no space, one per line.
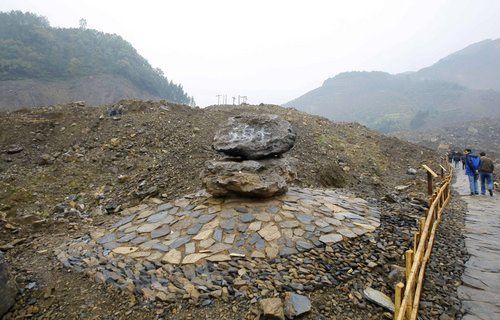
(249,178)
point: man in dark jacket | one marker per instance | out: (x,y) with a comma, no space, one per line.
(486,174)
(472,164)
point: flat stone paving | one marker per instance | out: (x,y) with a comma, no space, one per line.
(198,234)
(480,292)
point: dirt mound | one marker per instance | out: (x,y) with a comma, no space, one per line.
(69,161)
(91,161)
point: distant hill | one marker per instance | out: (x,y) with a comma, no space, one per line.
(396,102)
(42,65)
(429,98)
(477,66)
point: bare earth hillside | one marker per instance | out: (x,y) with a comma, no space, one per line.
(66,170)
(94,90)
(120,159)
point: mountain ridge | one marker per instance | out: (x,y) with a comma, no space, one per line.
(405,101)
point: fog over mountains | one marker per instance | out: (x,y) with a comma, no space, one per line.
(460,87)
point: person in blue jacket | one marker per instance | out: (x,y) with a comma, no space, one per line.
(472,164)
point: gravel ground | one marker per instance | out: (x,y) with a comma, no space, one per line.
(161,153)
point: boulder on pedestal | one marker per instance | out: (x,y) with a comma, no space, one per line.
(248,178)
(8,288)
(255,143)
(255,136)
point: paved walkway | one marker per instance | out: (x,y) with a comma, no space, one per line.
(480,292)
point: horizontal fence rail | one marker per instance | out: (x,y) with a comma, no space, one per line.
(407,296)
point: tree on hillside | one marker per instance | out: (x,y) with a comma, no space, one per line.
(83,23)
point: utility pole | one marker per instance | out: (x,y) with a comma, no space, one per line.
(218,99)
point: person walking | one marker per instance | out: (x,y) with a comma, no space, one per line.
(472,164)
(486,174)
(456,159)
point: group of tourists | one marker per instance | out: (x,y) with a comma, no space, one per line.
(477,168)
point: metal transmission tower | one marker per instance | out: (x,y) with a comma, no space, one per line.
(242,99)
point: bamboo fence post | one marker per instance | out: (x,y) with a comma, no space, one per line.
(416,239)
(397,299)
(422,224)
(409,264)
(429,183)
(407,296)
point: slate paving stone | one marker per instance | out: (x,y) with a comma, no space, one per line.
(304,245)
(194,229)
(254,238)
(289,224)
(179,242)
(160,232)
(160,247)
(286,251)
(309,228)
(159,217)
(139,240)
(247,217)
(195,214)
(304,218)
(127,237)
(163,207)
(228,224)
(260,244)
(273,210)
(206,218)
(189,248)
(327,229)
(106,238)
(243,227)
(229,238)
(111,245)
(218,235)
(124,220)
(149,244)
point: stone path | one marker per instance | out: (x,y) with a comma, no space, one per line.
(200,243)
(480,292)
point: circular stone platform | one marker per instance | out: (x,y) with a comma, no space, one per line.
(200,230)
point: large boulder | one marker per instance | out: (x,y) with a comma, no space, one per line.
(248,178)
(255,136)
(8,288)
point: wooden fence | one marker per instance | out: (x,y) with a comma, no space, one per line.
(407,296)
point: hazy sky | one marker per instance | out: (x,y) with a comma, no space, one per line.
(273,51)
